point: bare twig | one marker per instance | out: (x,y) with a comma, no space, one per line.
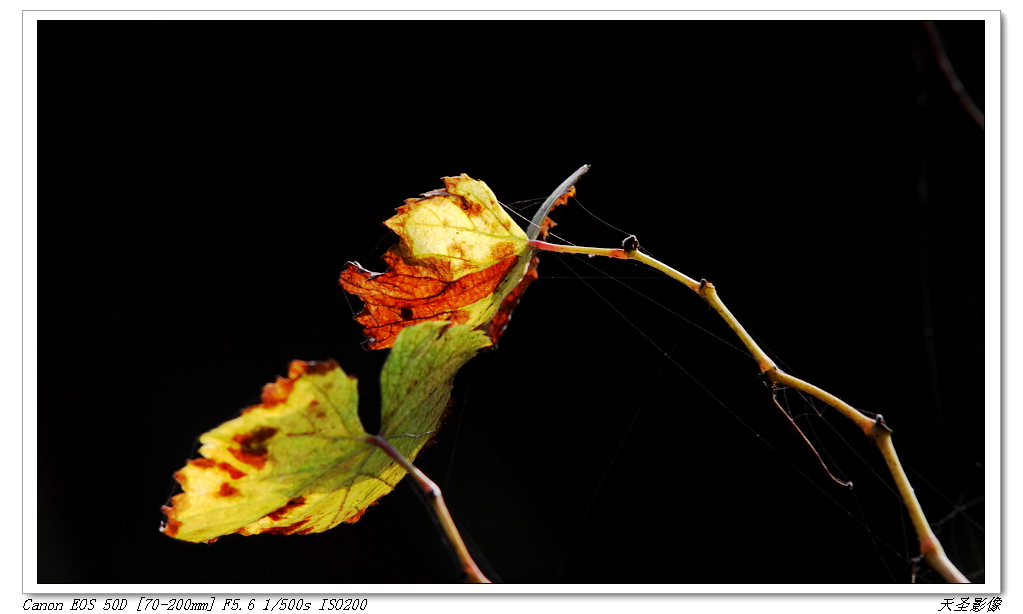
(432,492)
(874,428)
(806,440)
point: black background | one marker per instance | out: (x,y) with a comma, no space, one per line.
(202,184)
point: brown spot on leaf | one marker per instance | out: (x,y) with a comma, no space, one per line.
(207,463)
(287,529)
(297,368)
(457,249)
(315,409)
(277,392)
(254,442)
(502,250)
(320,367)
(233,471)
(253,446)
(279,513)
(226,490)
(170,528)
(470,208)
(249,459)
(357,516)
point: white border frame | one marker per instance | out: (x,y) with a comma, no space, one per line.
(991,288)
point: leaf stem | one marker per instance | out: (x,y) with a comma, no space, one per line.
(874,428)
(440,510)
(574,249)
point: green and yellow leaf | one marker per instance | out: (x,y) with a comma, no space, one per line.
(299,462)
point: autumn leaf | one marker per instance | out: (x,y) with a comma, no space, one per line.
(460,258)
(458,230)
(459,254)
(299,462)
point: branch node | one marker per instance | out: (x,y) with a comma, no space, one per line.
(880,426)
(630,243)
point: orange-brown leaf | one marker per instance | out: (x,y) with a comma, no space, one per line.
(459,254)
(459,258)
(408,294)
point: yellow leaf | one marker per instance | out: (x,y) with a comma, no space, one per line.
(457,230)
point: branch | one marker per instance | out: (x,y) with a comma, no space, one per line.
(874,428)
(440,510)
(965,100)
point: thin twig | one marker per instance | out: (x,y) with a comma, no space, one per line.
(432,492)
(874,428)
(965,100)
(774,399)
